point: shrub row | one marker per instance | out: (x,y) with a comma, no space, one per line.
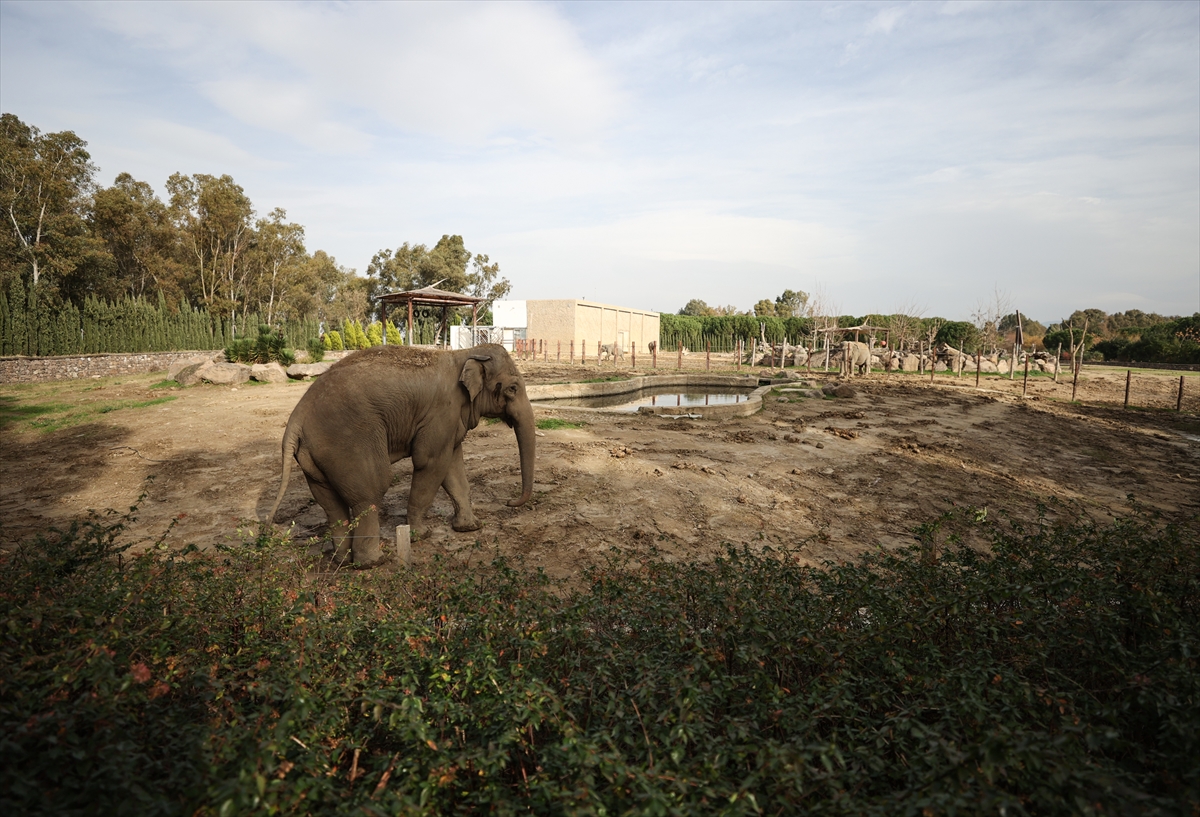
(35,321)
(1054,672)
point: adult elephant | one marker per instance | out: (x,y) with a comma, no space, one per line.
(383,404)
(856,357)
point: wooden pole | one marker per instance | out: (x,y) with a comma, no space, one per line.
(410,323)
(1057,362)
(597,353)
(921,358)
(654,356)
(978,364)
(583,352)
(1076,361)
(1025,382)
(1179,399)
(572,351)
(680,367)
(932,361)
(633,355)
(1012,370)
(558,359)
(383,321)
(1128,379)
(737,350)
(708,355)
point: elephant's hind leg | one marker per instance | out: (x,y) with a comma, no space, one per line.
(338,514)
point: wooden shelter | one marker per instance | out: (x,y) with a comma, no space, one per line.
(428,296)
(887,333)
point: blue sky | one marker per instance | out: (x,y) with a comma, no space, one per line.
(886,156)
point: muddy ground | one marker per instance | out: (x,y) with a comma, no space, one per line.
(836,475)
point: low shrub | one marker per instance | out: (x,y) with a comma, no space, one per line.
(316,350)
(268,346)
(1054,671)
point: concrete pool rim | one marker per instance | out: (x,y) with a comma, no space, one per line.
(751,405)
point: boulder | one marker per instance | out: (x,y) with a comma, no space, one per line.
(910,363)
(268,373)
(190,375)
(838,390)
(178,366)
(987,366)
(299,371)
(225,374)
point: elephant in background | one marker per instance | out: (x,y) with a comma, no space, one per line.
(856,357)
(380,405)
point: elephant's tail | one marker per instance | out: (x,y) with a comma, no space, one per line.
(291,441)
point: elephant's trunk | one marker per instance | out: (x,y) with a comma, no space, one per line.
(526,444)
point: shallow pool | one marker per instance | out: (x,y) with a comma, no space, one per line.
(663,396)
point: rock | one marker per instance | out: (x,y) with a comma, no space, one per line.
(190,375)
(178,366)
(910,363)
(268,373)
(225,374)
(987,366)
(838,390)
(299,371)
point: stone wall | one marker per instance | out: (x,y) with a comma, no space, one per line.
(20,369)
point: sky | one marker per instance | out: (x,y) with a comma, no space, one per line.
(931,158)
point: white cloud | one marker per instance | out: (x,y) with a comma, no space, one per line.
(885,20)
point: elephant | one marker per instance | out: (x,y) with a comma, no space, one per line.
(856,357)
(380,405)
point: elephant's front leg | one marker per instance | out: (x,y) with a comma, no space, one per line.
(459,489)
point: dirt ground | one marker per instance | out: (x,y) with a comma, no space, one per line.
(839,475)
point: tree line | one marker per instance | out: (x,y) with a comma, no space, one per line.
(68,244)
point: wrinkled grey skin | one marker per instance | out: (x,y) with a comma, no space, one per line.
(856,357)
(386,403)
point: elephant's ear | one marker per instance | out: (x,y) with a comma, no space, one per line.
(472,377)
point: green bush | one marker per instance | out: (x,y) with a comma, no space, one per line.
(316,350)
(1054,672)
(333,341)
(375,334)
(268,346)
(393,335)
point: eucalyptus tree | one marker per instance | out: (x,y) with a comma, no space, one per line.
(46,180)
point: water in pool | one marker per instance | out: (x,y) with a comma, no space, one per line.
(664,396)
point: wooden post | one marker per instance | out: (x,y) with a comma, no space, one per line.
(633,355)
(403,545)
(1128,378)
(654,356)
(383,322)
(680,367)
(583,352)
(1076,364)
(921,359)
(1012,370)
(558,358)
(753,350)
(1025,382)
(1179,399)
(545,353)
(572,351)
(737,350)
(932,362)
(978,364)
(808,360)
(598,353)
(708,355)
(410,323)
(1057,362)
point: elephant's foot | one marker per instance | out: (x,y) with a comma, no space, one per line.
(368,553)
(466,524)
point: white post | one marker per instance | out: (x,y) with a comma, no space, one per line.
(403,545)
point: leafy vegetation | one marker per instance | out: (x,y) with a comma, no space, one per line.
(1054,672)
(267,347)
(51,416)
(551,423)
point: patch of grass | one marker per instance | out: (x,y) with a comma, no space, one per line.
(165,384)
(551,423)
(65,416)
(12,411)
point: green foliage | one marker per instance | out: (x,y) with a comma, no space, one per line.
(1054,672)
(393,335)
(724,331)
(375,334)
(333,341)
(316,350)
(268,346)
(550,423)
(1173,341)
(353,335)
(959,334)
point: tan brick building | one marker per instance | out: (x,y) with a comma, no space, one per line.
(584,322)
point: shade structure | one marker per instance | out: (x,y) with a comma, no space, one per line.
(429,296)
